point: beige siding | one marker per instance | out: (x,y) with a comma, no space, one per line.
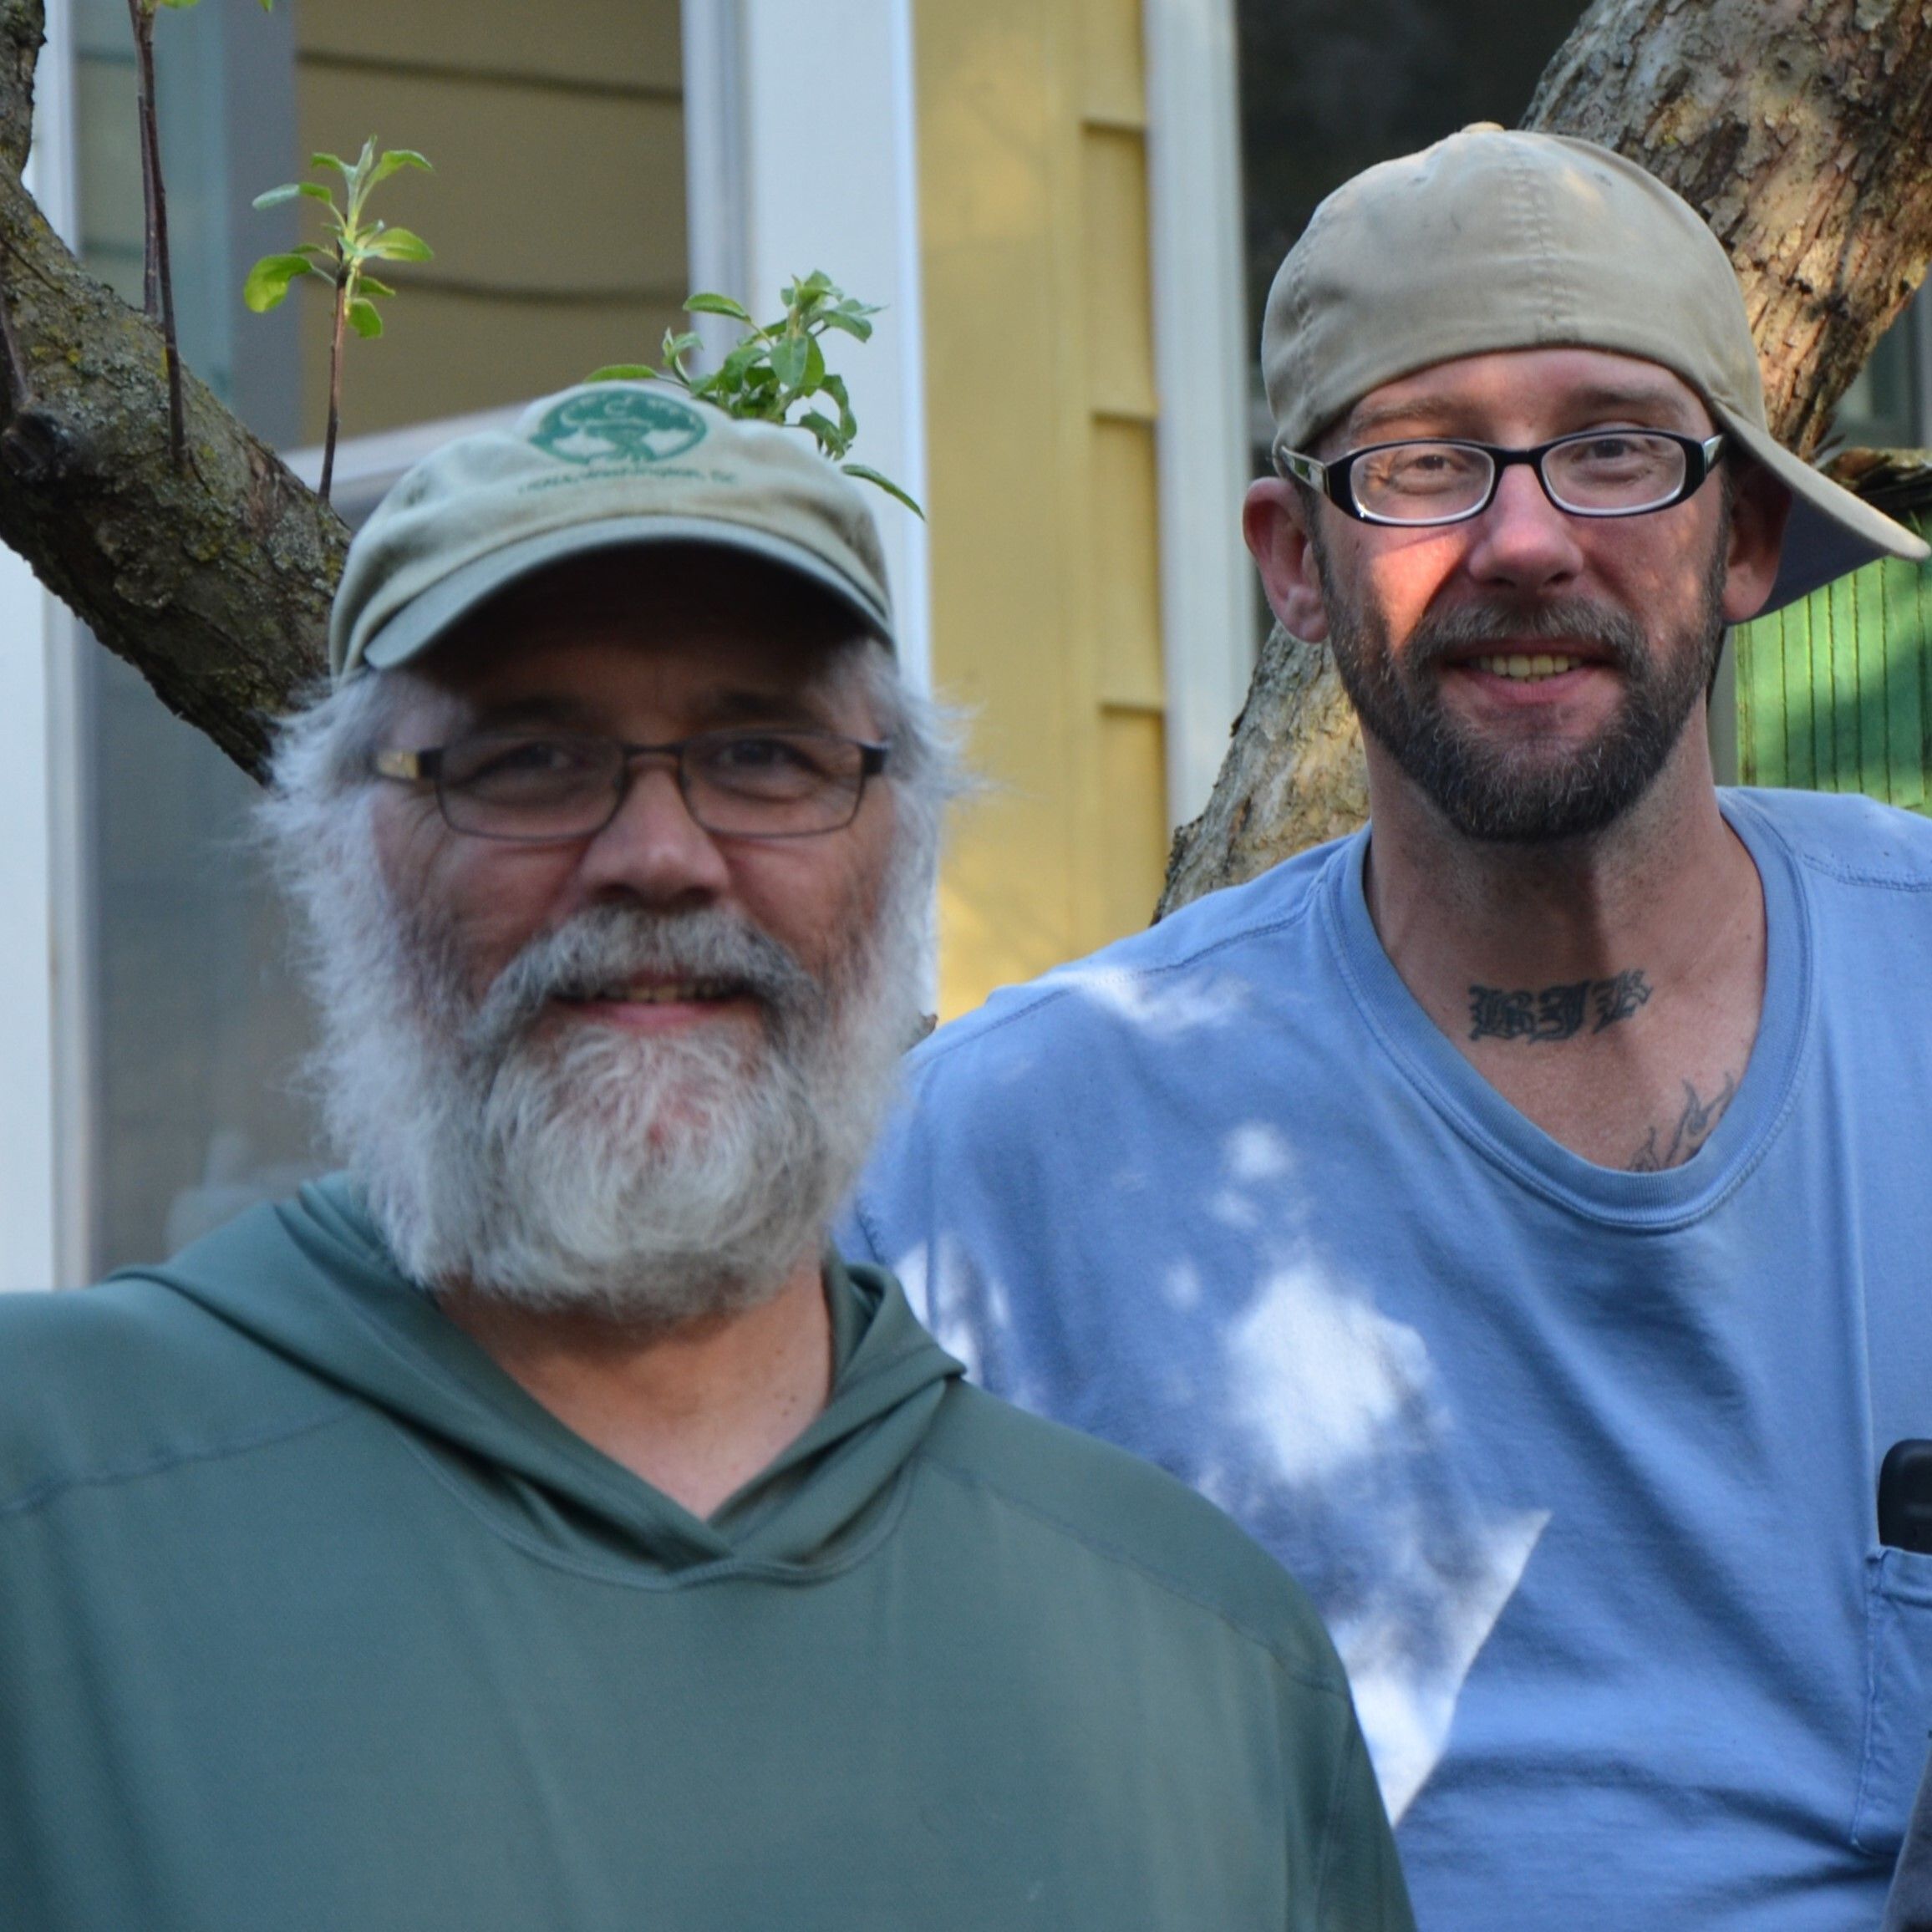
(556,209)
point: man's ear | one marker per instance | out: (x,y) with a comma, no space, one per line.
(1760,506)
(1274,522)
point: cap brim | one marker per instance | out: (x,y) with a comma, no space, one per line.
(423,619)
(1830,532)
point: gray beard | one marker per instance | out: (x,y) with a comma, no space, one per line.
(652,1179)
(1525,794)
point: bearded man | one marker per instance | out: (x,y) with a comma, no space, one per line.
(537,1525)
(1514,1213)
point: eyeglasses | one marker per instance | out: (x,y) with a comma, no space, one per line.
(1594,473)
(531,787)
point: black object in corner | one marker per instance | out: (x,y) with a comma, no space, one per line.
(1905,1497)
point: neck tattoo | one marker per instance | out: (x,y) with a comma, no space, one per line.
(1556,1012)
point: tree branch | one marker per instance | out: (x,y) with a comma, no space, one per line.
(23,33)
(213,582)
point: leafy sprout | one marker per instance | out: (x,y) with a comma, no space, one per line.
(776,370)
(354,241)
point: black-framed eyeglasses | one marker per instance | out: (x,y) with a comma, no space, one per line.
(535,787)
(1444,479)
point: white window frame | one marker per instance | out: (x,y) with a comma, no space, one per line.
(1201,357)
(44,956)
(757,75)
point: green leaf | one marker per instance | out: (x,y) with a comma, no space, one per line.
(364,319)
(289,191)
(719,305)
(853,325)
(622,373)
(826,433)
(676,345)
(789,358)
(268,281)
(369,286)
(178,5)
(335,161)
(399,245)
(814,369)
(867,474)
(395,160)
(848,423)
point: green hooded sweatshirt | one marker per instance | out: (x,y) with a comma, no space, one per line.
(311,1618)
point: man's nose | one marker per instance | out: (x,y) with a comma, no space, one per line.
(653,849)
(1523,539)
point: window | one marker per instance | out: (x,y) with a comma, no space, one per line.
(571,118)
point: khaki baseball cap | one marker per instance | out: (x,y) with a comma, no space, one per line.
(601,466)
(1494,240)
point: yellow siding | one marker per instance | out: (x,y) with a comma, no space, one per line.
(1041,478)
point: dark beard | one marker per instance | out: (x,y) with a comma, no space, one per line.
(1526,793)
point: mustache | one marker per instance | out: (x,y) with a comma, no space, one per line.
(608,946)
(1609,632)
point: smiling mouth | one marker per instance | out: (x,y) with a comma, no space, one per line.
(660,993)
(1523,665)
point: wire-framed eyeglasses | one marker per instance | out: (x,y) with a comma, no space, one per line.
(537,787)
(1444,479)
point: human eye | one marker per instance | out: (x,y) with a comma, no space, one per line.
(510,764)
(768,761)
(1425,469)
(1616,452)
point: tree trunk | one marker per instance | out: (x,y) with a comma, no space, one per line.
(1797,128)
(214,581)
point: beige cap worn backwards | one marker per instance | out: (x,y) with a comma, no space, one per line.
(601,466)
(1493,240)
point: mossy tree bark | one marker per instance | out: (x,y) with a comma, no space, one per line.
(1798,128)
(213,578)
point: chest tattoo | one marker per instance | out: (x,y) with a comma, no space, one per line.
(1694,1127)
(1556,1012)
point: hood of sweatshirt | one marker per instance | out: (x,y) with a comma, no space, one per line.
(311,1279)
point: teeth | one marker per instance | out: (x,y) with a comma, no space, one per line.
(1518,664)
(664,992)
(671,992)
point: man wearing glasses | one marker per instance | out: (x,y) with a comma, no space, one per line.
(1516,1214)
(538,1525)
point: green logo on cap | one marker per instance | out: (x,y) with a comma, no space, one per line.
(616,424)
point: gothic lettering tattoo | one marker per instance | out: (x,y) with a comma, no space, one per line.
(1557,1012)
(1694,1126)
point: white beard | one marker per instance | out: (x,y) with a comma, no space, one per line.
(652,1178)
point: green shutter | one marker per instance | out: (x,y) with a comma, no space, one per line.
(1833,692)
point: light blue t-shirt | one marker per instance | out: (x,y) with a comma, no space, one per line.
(1580,1464)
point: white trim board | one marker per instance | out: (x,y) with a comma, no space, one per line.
(1207,609)
(44,1019)
(366,467)
(758,75)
